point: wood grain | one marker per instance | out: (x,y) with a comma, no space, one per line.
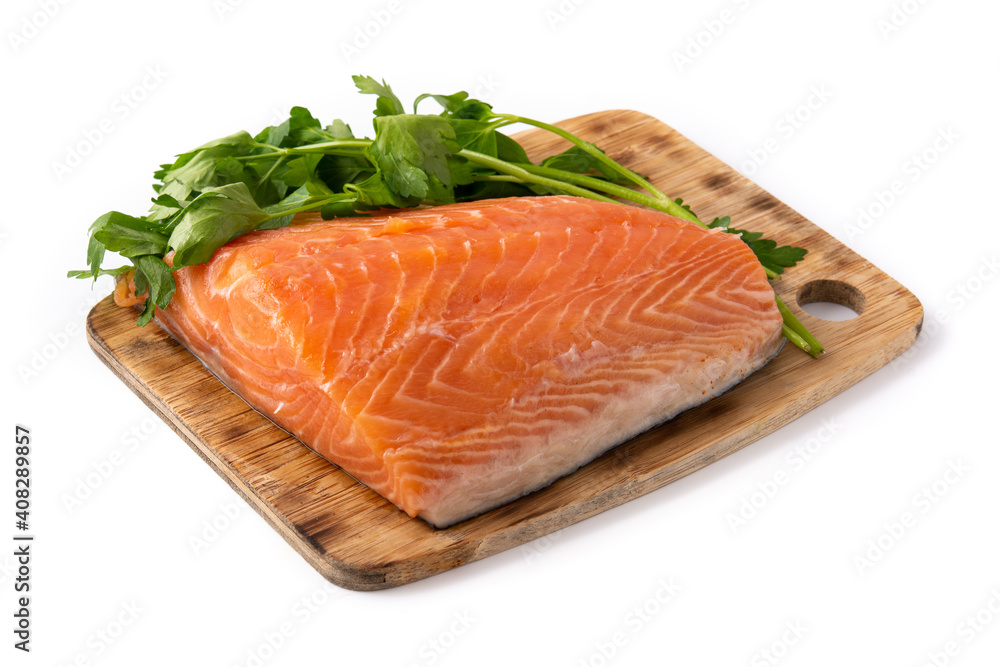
(358,540)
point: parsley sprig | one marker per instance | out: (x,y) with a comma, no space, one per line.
(237,184)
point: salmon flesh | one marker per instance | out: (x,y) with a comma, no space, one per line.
(456,358)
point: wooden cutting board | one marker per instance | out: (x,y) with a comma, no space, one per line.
(358,540)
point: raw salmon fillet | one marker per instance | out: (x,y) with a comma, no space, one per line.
(456,358)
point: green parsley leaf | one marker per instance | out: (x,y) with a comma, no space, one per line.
(769,254)
(459,106)
(298,129)
(211,220)
(233,185)
(154,274)
(374,192)
(509,150)
(388,104)
(408,149)
(128,236)
(88,273)
(95,253)
(196,169)
(680,202)
(166,201)
(338,129)
(339,170)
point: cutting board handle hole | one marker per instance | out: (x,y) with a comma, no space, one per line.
(831,300)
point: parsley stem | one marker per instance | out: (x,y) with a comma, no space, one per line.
(589,148)
(273,167)
(569,189)
(665,205)
(793,323)
(797,340)
(527,177)
(562,177)
(335,147)
(337,143)
(310,205)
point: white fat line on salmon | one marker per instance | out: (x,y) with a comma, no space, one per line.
(912,170)
(751,505)
(922,502)
(899,15)
(699,42)
(634,621)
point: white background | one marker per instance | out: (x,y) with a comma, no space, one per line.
(125,552)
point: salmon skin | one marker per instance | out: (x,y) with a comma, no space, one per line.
(456,358)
